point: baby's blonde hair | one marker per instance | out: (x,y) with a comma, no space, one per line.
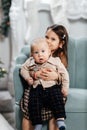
(38,41)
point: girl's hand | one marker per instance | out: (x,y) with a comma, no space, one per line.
(64,92)
(48,74)
(30,81)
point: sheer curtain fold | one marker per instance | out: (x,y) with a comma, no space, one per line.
(76,9)
(24,22)
(32,20)
(58,12)
(18,25)
(62,10)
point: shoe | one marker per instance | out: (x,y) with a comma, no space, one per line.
(62,128)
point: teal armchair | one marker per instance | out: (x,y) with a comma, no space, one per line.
(76,106)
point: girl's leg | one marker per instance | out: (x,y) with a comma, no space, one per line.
(26,124)
(52,124)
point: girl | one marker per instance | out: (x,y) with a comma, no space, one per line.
(57,39)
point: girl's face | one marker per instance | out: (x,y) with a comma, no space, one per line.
(52,40)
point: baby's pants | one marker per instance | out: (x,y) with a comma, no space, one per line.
(49,97)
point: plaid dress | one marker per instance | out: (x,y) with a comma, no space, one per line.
(46,113)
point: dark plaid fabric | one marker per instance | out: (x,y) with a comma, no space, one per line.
(46,113)
(24,103)
(49,98)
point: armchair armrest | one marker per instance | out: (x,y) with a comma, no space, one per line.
(17,83)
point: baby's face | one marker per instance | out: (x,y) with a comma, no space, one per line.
(41,52)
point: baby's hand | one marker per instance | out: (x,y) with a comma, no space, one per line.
(37,74)
(30,81)
(64,91)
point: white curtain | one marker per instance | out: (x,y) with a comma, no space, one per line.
(77,9)
(32,20)
(58,12)
(24,22)
(18,25)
